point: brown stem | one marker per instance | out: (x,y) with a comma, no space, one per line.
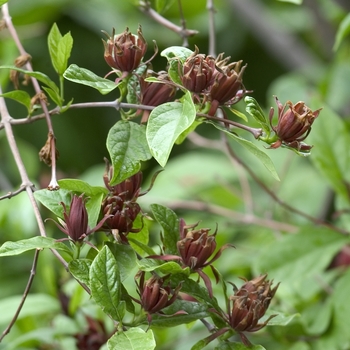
(8,20)
(184,33)
(231,214)
(277,199)
(255,132)
(24,296)
(211,21)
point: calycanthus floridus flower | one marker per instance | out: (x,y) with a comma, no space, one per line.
(293,125)
(246,307)
(125,51)
(75,223)
(196,248)
(155,294)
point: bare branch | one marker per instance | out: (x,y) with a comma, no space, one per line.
(24,296)
(277,199)
(8,20)
(182,32)
(11,194)
(232,215)
(211,21)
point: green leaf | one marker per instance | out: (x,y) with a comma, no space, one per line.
(105,283)
(254,109)
(165,268)
(141,237)
(35,305)
(59,48)
(163,5)
(166,123)
(95,195)
(127,146)
(125,257)
(3,2)
(170,224)
(80,269)
(194,311)
(279,320)
(37,75)
(143,248)
(21,97)
(337,334)
(239,114)
(55,97)
(237,346)
(176,56)
(296,2)
(262,156)
(296,259)
(342,32)
(331,153)
(10,248)
(193,288)
(52,200)
(132,339)
(85,77)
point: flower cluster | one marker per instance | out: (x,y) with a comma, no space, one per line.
(219,81)
(120,207)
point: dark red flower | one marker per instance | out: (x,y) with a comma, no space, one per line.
(197,71)
(155,294)
(75,223)
(125,51)
(249,304)
(294,124)
(154,93)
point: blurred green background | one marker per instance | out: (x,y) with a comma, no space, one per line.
(289,51)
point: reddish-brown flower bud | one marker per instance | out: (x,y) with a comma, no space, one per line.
(196,247)
(75,223)
(294,124)
(197,71)
(155,294)
(249,304)
(155,93)
(228,82)
(127,190)
(125,51)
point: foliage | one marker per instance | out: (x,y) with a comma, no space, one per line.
(239,243)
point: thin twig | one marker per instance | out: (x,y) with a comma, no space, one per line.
(8,20)
(254,131)
(109,104)
(183,23)
(24,296)
(11,194)
(211,32)
(26,183)
(277,199)
(232,215)
(146,9)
